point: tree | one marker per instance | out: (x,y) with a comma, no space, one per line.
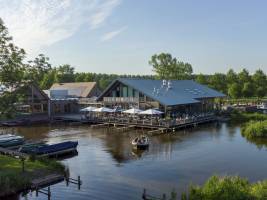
(231,77)
(218,82)
(11,72)
(65,74)
(248,89)
(234,90)
(167,67)
(260,81)
(38,68)
(202,79)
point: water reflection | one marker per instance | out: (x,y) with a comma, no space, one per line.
(112,169)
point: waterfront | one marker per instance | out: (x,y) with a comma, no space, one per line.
(110,169)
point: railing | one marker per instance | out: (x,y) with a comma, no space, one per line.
(87,100)
(121,99)
(167,123)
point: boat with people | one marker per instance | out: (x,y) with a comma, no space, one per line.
(50,150)
(10,140)
(141,142)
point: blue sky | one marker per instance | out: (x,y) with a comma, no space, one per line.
(119,36)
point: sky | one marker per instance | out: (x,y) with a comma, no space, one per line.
(120,36)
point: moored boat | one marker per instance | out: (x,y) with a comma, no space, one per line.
(11,141)
(54,149)
(141,142)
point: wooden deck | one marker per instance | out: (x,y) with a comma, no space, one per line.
(46,181)
(13,153)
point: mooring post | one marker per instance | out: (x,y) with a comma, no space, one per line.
(144,195)
(36,191)
(67,181)
(48,193)
(164,197)
(79,182)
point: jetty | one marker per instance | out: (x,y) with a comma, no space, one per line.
(13,153)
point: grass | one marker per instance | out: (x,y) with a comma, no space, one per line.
(255,129)
(228,187)
(12,178)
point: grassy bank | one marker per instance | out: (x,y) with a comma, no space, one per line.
(255,129)
(13,179)
(230,188)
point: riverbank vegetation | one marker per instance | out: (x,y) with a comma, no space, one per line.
(255,129)
(244,117)
(13,178)
(228,187)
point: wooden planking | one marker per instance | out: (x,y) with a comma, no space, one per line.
(12,153)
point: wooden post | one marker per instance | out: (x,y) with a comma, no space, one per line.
(48,193)
(164,197)
(36,191)
(79,183)
(23,164)
(144,195)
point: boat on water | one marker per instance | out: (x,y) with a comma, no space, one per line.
(51,150)
(11,141)
(141,142)
(28,148)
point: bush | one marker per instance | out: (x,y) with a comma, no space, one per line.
(227,188)
(255,129)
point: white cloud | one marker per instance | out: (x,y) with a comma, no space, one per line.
(112,34)
(35,24)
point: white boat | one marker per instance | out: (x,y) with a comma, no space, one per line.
(5,136)
(140,142)
(12,137)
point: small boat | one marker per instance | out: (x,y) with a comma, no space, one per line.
(140,142)
(12,137)
(30,147)
(11,141)
(54,149)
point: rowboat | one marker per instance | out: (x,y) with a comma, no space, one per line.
(8,138)
(29,148)
(141,142)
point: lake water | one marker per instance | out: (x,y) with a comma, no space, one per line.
(111,169)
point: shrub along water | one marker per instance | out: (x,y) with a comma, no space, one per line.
(13,178)
(255,129)
(228,187)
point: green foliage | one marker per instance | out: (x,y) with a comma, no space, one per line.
(230,188)
(240,117)
(12,178)
(234,90)
(167,67)
(255,129)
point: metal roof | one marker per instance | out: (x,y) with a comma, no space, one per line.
(78,89)
(180,91)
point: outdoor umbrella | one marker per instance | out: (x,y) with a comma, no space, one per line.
(103,109)
(88,109)
(133,111)
(151,112)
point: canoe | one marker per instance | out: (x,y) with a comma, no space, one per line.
(55,149)
(140,142)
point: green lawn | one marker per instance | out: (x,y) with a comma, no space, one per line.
(13,178)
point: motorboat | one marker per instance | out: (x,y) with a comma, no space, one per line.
(11,140)
(141,142)
(52,149)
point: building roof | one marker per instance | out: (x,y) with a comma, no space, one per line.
(181,91)
(78,89)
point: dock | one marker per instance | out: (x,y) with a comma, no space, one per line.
(13,153)
(46,181)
